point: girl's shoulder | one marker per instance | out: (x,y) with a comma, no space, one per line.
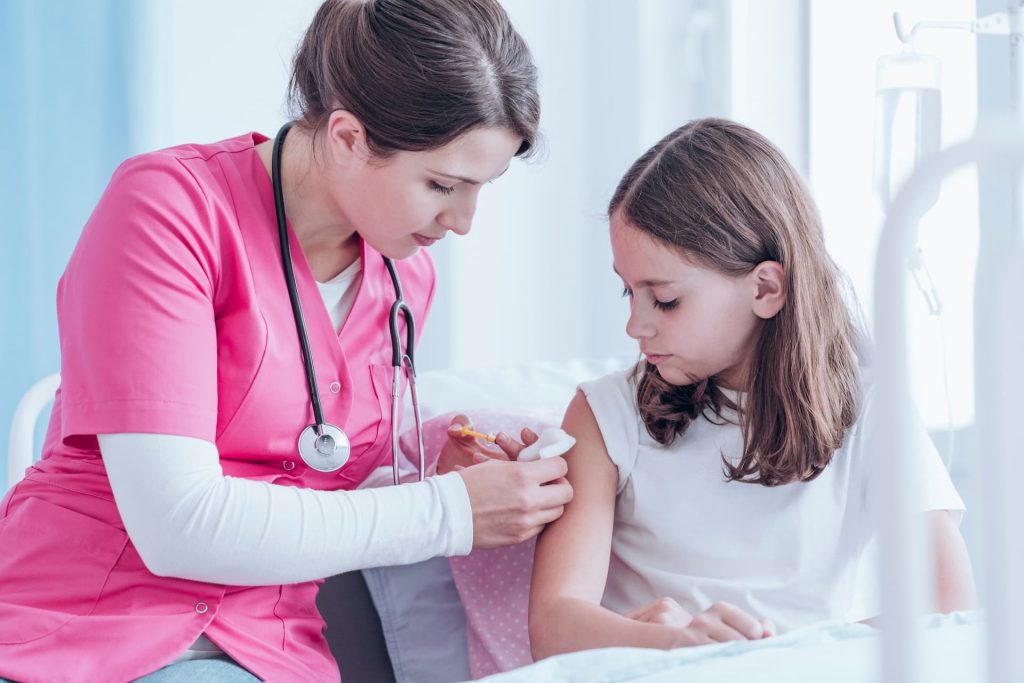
(612,399)
(618,387)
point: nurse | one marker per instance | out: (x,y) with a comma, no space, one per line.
(171,518)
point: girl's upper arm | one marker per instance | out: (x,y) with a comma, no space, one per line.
(573,552)
(954,578)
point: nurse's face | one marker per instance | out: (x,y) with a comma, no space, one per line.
(413,199)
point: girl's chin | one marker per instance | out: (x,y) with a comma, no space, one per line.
(676,376)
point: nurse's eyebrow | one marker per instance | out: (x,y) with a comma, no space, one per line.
(646,283)
(465,180)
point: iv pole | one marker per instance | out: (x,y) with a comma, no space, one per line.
(999,372)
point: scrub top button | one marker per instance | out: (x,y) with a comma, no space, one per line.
(335,387)
(201,608)
(288,465)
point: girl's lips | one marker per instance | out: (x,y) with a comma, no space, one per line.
(654,358)
(423,240)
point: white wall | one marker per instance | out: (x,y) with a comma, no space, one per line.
(216,69)
(534,280)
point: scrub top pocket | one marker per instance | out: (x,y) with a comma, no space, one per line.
(382,377)
(54,565)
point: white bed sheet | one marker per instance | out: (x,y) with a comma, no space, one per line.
(953,651)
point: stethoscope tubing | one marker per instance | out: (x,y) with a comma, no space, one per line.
(289,276)
(399,359)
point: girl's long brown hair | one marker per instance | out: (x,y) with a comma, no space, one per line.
(722,194)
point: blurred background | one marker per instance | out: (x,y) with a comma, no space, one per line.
(87,83)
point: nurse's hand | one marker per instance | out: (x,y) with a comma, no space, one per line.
(512,501)
(461,451)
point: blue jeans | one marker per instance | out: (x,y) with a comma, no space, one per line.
(217,670)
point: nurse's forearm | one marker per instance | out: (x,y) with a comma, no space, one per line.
(188,520)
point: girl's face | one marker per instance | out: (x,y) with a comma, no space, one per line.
(692,322)
(413,199)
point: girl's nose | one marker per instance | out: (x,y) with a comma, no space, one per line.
(637,326)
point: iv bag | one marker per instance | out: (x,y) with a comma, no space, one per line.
(908,120)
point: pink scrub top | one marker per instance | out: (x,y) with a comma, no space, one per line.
(174,319)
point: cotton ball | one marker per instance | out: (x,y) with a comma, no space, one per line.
(552,442)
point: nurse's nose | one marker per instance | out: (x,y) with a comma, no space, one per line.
(458,216)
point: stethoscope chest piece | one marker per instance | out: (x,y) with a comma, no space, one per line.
(327,451)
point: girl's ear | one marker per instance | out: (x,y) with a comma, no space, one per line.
(769,278)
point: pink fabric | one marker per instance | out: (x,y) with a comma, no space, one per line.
(174,318)
(493,584)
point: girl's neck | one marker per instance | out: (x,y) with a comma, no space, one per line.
(734,378)
(329,244)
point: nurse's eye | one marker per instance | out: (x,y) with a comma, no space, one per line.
(443,189)
(627,292)
(666,305)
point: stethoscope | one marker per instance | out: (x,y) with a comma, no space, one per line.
(322,445)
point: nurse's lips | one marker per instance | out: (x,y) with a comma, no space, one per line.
(425,241)
(654,358)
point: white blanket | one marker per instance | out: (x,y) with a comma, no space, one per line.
(953,650)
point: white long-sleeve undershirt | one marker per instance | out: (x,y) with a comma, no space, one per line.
(188,520)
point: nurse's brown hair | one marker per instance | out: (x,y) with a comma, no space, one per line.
(724,196)
(416,73)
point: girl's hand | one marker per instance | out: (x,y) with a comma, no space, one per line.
(663,611)
(720,623)
(461,451)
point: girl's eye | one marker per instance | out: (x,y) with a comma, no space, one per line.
(660,305)
(443,189)
(666,305)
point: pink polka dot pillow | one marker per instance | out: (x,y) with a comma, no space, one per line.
(493,584)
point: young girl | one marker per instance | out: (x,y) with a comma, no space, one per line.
(723,489)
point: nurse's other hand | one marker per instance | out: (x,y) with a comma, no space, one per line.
(512,501)
(720,623)
(461,451)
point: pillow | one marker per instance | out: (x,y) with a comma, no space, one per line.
(425,627)
(422,620)
(493,584)
(420,613)
(541,388)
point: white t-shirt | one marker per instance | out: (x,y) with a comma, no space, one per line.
(339,293)
(786,553)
